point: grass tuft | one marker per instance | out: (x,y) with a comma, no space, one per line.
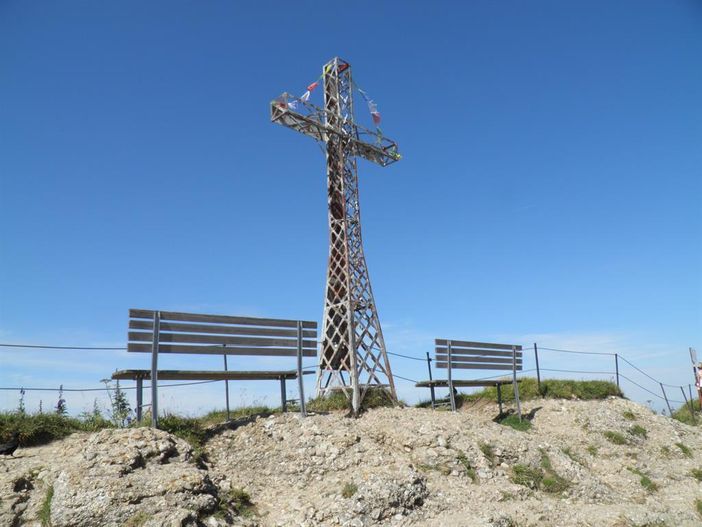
(684,415)
(338,401)
(349,490)
(684,449)
(470,469)
(137,520)
(616,438)
(629,415)
(698,506)
(638,431)
(45,510)
(527,476)
(696,473)
(645,480)
(544,478)
(573,456)
(489,452)
(592,450)
(514,422)
(237,502)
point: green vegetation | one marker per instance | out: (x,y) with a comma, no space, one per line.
(698,506)
(684,415)
(375,398)
(488,451)
(638,431)
(188,428)
(684,449)
(470,470)
(629,415)
(544,478)
(616,438)
(39,429)
(237,502)
(329,403)
(137,520)
(527,476)
(550,389)
(592,450)
(646,482)
(696,473)
(42,428)
(573,456)
(45,510)
(349,490)
(439,467)
(514,422)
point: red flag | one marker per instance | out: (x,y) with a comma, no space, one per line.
(376,117)
(312,86)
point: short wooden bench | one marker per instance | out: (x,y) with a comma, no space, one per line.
(159,332)
(461,355)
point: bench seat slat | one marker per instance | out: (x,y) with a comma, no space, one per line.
(488,360)
(219,330)
(220,350)
(186,375)
(477,353)
(465,344)
(467,366)
(183,338)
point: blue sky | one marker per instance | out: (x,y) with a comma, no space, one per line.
(549,189)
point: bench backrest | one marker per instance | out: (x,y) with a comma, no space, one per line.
(220,334)
(477,355)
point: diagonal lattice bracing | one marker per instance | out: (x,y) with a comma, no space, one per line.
(352,357)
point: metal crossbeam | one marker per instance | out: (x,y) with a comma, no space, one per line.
(352,339)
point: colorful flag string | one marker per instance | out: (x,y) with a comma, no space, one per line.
(372,106)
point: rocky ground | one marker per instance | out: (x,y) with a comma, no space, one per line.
(583,463)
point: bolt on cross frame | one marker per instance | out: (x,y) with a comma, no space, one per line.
(352,339)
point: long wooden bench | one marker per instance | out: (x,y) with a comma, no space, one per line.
(202,375)
(461,355)
(159,332)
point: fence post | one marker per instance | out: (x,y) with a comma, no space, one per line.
(431,386)
(226,385)
(300,383)
(450,382)
(616,369)
(666,399)
(538,372)
(154,369)
(689,404)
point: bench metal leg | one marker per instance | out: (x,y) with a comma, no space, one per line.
(499,396)
(139,398)
(283,400)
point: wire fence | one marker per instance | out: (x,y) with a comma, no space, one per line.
(658,392)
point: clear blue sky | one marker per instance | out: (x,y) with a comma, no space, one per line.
(549,190)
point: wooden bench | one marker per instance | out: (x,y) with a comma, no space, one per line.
(159,332)
(461,355)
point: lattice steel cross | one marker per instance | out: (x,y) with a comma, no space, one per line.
(352,339)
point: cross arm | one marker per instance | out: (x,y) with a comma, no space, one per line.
(311,121)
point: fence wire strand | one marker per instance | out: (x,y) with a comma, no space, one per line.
(400,355)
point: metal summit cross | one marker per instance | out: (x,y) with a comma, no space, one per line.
(352,340)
